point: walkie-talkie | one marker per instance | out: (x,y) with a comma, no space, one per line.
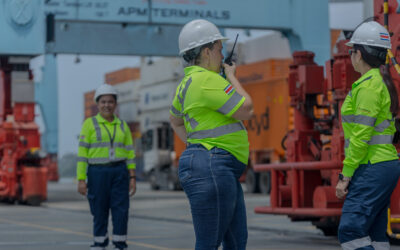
(228,60)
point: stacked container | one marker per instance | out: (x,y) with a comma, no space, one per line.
(158,86)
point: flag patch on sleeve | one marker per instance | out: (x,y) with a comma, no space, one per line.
(229,89)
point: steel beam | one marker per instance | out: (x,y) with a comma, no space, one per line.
(114,39)
(46,96)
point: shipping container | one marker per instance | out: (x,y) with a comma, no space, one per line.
(163,70)
(90,106)
(128,100)
(271,45)
(263,70)
(157,96)
(128,91)
(122,75)
(158,86)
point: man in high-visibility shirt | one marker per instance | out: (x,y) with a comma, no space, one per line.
(106,161)
(371,167)
(207,112)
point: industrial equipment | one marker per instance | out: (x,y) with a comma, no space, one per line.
(304,187)
(23,166)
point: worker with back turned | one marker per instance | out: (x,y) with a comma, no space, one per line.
(206,113)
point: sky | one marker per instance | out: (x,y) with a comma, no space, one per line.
(74,79)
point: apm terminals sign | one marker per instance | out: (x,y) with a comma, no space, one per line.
(136,10)
(177,12)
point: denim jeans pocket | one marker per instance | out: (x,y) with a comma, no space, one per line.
(185,167)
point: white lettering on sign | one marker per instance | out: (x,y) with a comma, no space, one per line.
(121,10)
(180,13)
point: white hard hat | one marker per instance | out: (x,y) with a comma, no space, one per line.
(105,89)
(197,33)
(371,34)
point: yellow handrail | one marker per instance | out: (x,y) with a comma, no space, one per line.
(389,226)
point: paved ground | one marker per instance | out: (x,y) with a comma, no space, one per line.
(158,220)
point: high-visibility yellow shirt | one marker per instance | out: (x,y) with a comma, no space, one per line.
(367,122)
(206,101)
(95,145)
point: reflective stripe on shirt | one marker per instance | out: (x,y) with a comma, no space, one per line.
(216,132)
(82,159)
(375,139)
(230,104)
(104,145)
(175,111)
(382,126)
(381,139)
(122,126)
(97,128)
(359,119)
(192,121)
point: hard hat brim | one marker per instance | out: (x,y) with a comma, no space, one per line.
(222,39)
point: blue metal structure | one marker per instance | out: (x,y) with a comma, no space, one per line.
(137,27)
(143,27)
(21,27)
(48,103)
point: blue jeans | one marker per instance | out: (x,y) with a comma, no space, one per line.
(364,214)
(210,179)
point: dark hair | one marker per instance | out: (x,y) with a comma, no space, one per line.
(98,98)
(376,57)
(194,54)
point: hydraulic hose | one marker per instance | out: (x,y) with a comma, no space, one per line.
(390,56)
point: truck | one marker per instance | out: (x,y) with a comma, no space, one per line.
(157,90)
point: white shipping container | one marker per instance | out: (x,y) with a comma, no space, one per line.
(128,111)
(152,119)
(157,96)
(22,88)
(128,91)
(272,45)
(165,69)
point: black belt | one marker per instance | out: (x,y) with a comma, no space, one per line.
(110,164)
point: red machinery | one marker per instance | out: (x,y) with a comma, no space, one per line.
(23,175)
(304,187)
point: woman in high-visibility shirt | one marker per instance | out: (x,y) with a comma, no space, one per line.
(105,146)
(206,113)
(371,167)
